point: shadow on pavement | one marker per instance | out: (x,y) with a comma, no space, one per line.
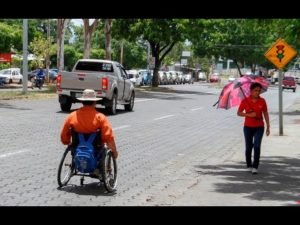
(292,113)
(278,179)
(93,189)
(9,106)
(101,110)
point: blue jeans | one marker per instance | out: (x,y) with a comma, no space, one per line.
(253,138)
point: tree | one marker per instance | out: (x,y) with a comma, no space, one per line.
(41,49)
(242,40)
(10,36)
(107,30)
(88,31)
(61,25)
(162,34)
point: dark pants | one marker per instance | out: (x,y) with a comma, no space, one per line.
(253,137)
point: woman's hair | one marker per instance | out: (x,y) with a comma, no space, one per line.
(255,85)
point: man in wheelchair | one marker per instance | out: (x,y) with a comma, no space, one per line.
(87,120)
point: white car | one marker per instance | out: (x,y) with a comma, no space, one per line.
(12,75)
(231,78)
(134,76)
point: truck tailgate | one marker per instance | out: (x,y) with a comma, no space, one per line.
(81,81)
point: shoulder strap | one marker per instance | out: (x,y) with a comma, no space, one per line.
(91,139)
(81,139)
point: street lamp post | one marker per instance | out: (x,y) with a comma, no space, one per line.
(25,54)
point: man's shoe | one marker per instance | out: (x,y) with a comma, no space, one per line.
(254,171)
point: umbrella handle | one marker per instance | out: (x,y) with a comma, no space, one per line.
(216,103)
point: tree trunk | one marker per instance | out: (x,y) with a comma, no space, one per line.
(121,53)
(88,31)
(61,25)
(156,51)
(107,30)
(156,69)
(238,67)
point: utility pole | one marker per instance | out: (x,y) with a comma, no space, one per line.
(48,51)
(25,55)
(280,103)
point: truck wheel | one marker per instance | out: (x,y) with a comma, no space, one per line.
(112,108)
(66,106)
(129,107)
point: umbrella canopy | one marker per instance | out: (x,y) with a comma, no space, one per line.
(234,92)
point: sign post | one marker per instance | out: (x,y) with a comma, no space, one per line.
(280,54)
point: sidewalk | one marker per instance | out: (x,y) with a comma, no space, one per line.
(276,184)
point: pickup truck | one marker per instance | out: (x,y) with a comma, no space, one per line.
(289,83)
(108,78)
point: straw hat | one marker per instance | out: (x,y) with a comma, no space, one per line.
(89,95)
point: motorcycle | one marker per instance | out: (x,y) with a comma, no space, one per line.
(38,82)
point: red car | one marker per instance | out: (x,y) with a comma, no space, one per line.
(289,83)
(214,78)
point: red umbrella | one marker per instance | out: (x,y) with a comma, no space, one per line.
(234,92)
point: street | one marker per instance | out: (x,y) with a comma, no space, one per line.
(161,144)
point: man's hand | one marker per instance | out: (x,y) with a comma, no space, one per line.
(115,154)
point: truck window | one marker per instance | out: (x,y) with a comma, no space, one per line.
(94,66)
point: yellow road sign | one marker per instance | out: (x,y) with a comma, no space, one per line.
(280,53)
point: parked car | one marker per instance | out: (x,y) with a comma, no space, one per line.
(201,76)
(11,75)
(162,78)
(289,83)
(188,79)
(134,76)
(175,77)
(146,76)
(215,77)
(231,78)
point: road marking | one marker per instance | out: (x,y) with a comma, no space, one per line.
(121,127)
(163,117)
(197,109)
(13,153)
(143,100)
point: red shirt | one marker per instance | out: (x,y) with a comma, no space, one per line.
(259,107)
(86,120)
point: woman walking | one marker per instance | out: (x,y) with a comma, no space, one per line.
(254,109)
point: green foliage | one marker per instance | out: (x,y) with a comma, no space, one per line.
(97,54)
(10,36)
(71,56)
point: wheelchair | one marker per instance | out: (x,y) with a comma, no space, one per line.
(106,165)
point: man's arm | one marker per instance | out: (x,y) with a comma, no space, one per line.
(65,135)
(112,145)
(107,136)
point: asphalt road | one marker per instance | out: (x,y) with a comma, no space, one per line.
(159,145)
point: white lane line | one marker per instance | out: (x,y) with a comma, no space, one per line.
(197,108)
(121,127)
(13,153)
(163,117)
(143,100)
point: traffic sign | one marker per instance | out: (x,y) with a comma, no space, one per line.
(280,53)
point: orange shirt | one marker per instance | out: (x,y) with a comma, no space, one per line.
(249,106)
(86,120)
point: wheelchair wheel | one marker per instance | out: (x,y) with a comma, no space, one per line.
(66,168)
(109,172)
